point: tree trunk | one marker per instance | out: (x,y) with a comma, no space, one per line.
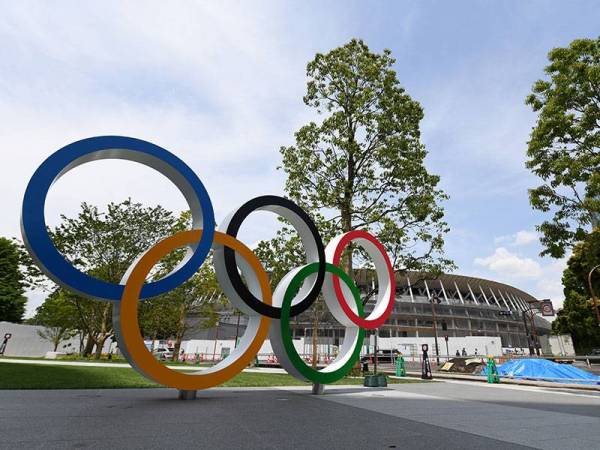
(105,331)
(89,345)
(153,340)
(100,345)
(346,223)
(346,210)
(314,337)
(81,339)
(180,332)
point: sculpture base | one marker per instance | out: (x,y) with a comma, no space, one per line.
(187,395)
(318,389)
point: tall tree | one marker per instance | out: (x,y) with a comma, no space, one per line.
(577,317)
(59,317)
(284,252)
(193,304)
(564,146)
(12,300)
(363,165)
(104,244)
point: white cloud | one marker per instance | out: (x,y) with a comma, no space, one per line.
(549,285)
(541,278)
(219,86)
(505,263)
(523,237)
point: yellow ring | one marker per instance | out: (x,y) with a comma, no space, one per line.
(139,355)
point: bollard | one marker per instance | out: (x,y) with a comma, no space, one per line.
(492,370)
(400,368)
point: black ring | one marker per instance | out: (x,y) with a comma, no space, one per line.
(232,271)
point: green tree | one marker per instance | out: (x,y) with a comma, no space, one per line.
(363,166)
(563,148)
(577,317)
(285,251)
(193,304)
(12,300)
(104,244)
(59,316)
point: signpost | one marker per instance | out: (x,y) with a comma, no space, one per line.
(547,308)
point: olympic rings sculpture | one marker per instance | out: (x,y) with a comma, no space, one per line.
(268,312)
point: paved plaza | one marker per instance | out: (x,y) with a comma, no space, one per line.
(449,415)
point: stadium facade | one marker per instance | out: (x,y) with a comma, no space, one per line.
(464,306)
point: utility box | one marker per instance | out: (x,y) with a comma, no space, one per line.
(557,345)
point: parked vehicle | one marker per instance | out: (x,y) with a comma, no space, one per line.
(164,354)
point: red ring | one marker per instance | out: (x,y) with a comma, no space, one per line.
(364,323)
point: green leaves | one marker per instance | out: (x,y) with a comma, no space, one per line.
(577,316)
(108,242)
(59,315)
(363,166)
(12,300)
(564,144)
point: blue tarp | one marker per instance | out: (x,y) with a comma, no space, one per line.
(542,369)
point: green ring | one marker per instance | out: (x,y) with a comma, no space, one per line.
(307,372)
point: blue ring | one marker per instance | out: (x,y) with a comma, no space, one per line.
(33,223)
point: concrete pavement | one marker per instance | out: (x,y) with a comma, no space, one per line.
(449,415)
(534,417)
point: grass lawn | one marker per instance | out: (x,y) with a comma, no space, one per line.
(36,376)
(103,359)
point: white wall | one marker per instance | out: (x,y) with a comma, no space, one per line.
(207,347)
(25,341)
(485,345)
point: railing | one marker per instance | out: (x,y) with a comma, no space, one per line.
(412,361)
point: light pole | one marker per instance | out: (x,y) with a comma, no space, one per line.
(530,342)
(534,345)
(593,293)
(433,300)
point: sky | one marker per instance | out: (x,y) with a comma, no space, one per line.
(220,84)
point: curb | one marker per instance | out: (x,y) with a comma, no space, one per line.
(545,384)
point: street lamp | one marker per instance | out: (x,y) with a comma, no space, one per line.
(435,300)
(532,339)
(593,293)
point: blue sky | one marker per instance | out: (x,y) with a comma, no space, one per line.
(221,86)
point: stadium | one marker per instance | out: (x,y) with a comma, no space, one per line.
(467,309)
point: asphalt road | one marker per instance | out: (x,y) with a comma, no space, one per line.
(448,415)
